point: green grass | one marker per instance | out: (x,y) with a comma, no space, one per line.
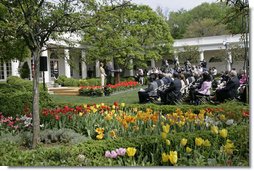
(128,97)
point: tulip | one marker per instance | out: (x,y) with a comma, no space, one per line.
(188,149)
(121,151)
(131,151)
(199,141)
(164,157)
(166,128)
(214,129)
(173,157)
(100,136)
(184,142)
(164,135)
(168,142)
(224,133)
(207,143)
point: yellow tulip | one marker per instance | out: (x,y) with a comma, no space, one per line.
(223,133)
(108,117)
(184,142)
(207,143)
(199,141)
(100,136)
(164,157)
(166,128)
(112,134)
(214,129)
(122,104)
(81,113)
(173,157)
(168,142)
(131,151)
(99,130)
(222,117)
(229,147)
(188,149)
(164,135)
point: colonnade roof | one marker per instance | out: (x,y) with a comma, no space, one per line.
(209,43)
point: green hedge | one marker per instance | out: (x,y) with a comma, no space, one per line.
(94,150)
(16,95)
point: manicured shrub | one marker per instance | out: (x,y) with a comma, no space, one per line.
(25,71)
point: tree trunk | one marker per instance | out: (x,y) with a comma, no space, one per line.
(36,116)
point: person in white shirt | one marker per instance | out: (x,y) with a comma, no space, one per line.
(103,75)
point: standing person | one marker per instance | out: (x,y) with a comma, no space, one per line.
(108,71)
(103,75)
(141,76)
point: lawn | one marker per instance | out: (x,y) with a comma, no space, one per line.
(128,97)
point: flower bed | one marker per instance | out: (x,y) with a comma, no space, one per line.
(133,137)
(99,91)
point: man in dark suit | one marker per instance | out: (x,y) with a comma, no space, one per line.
(230,90)
(173,93)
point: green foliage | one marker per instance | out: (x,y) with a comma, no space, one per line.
(28,85)
(205,27)
(148,147)
(72,82)
(190,53)
(17,95)
(134,32)
(182,22)
(25,71)
(91,92)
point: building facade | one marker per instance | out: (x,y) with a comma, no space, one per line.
(70,60)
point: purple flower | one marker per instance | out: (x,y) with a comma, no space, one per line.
(108,154)
(113,154)
(121,151)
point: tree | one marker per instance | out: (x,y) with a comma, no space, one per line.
(205,27)
(239,10)
(216,12)
(11,47)
(134,33)
(35,21)
(190,53)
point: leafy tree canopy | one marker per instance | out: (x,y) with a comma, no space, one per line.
(134,32)
(181,20)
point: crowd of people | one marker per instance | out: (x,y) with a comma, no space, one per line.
(190,82)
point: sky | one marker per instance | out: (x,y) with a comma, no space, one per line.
(172,5)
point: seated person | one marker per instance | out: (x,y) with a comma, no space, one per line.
(230,89)
(172,93)
(151,90)
(204,89)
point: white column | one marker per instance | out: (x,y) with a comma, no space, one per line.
(46,73)
(229,61)
(97,68)
(15,68)
(67,66)
(201,55)
(83,64)
(131,70)
(152,63)
(5,72)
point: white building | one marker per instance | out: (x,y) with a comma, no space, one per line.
(57,58)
